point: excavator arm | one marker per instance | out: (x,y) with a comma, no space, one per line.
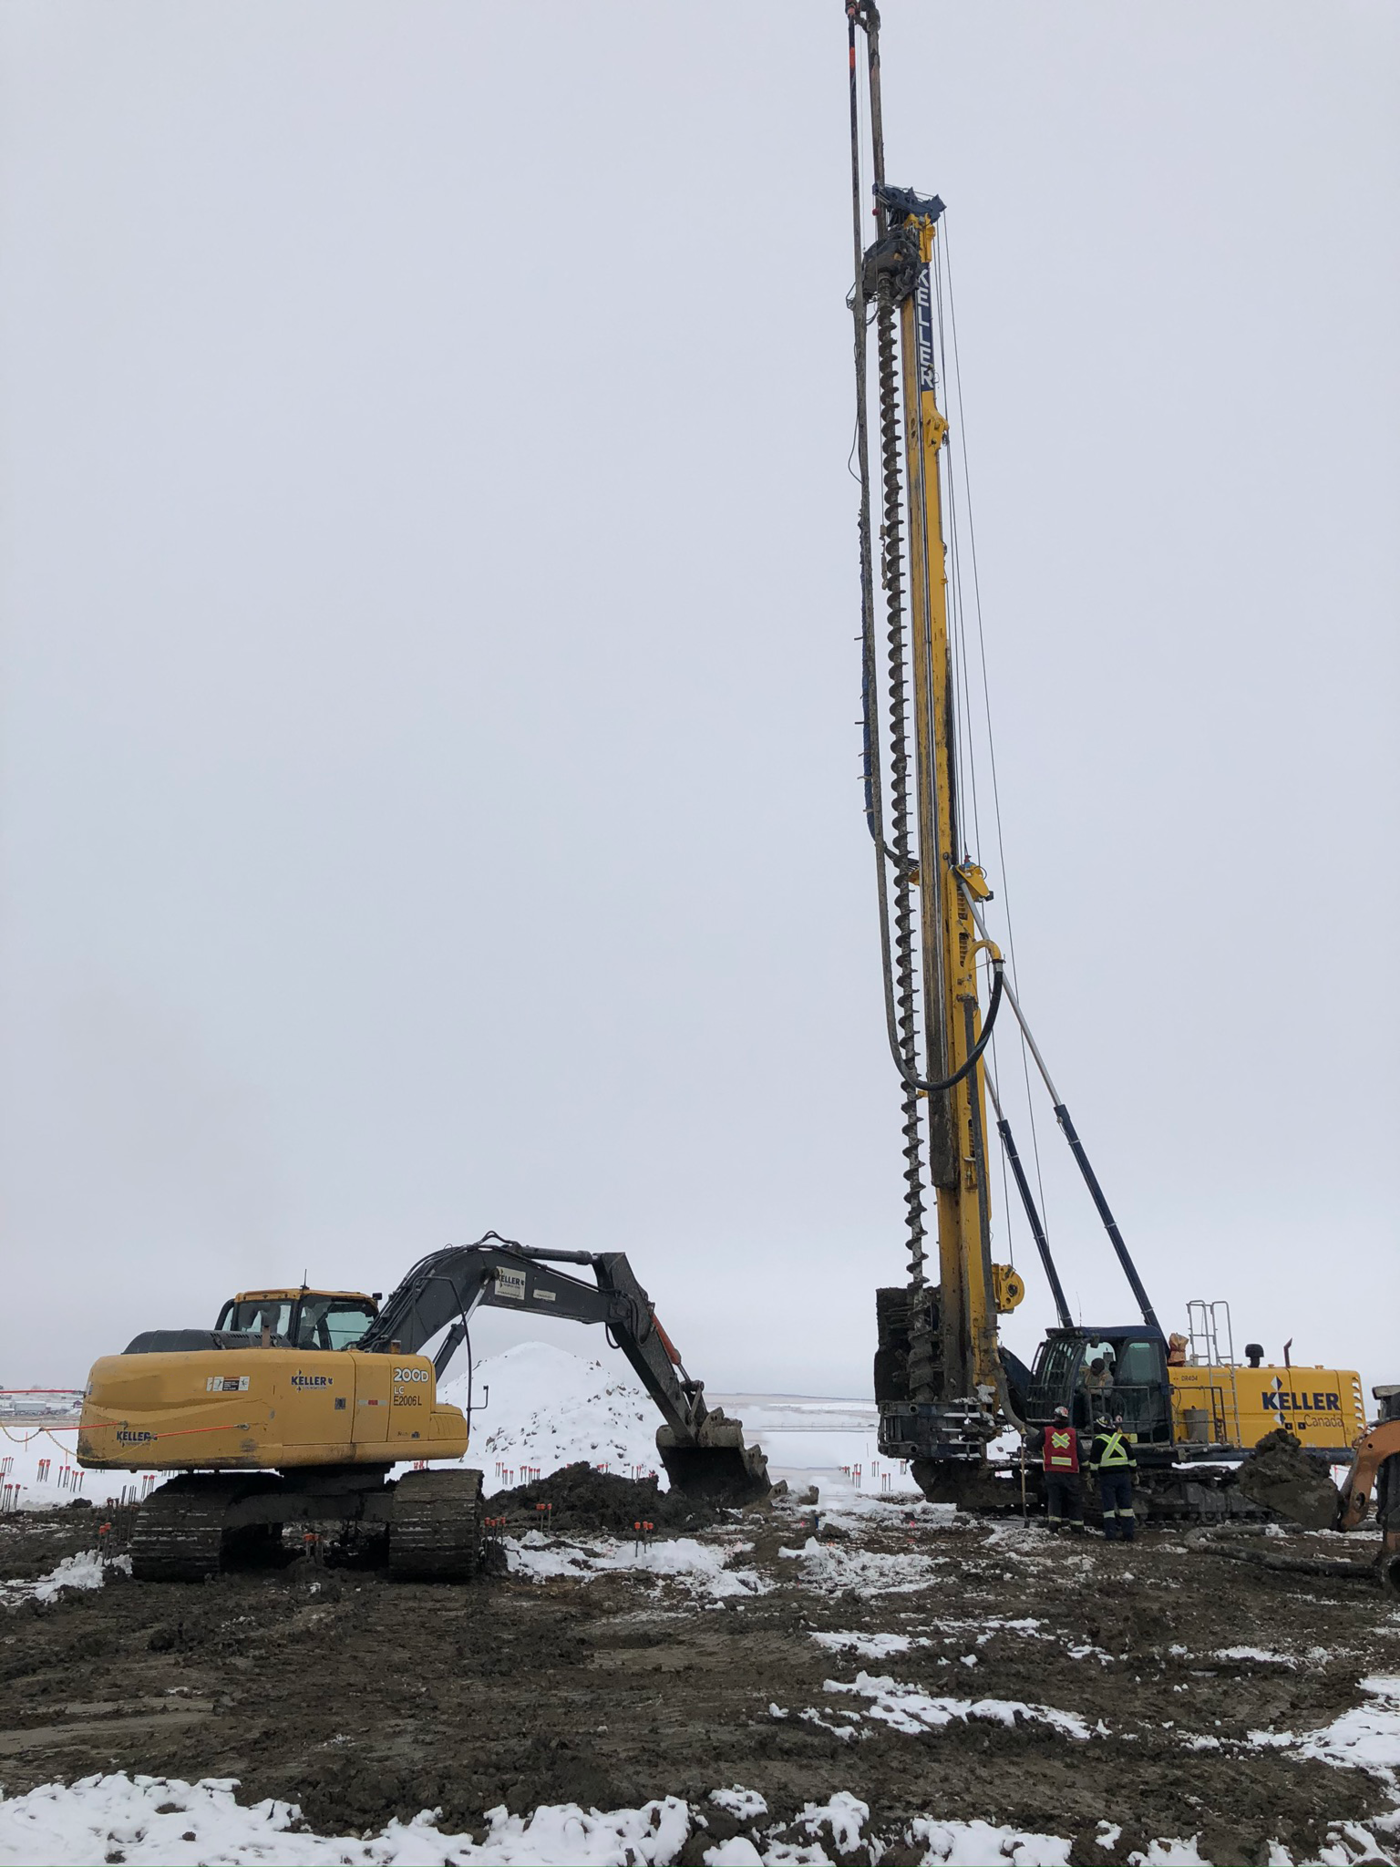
(1376,1470)
(703,1452)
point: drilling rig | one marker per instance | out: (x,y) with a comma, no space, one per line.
(945,1385)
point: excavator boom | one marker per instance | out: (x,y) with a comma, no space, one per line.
(703,1452)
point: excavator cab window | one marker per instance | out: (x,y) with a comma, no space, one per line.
(252,1318)
(331,1322)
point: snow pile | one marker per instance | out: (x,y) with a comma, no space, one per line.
(905,1708)
(745,1805)
(700,1567)
(85,1570)
(975,1844)
(549,1408)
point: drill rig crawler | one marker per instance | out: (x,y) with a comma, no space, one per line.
(296,1405)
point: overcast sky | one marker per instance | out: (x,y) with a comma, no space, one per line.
(430,770)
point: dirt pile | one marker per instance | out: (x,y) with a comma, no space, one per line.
(1279,1475)
(581,1498)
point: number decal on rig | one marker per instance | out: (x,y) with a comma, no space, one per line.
(411,1374)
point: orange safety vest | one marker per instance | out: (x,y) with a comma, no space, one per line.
(1061,1449)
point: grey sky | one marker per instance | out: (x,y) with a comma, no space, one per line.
(428,556)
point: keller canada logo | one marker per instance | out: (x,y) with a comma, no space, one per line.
(126,1437)
(1283,1401)
(311,1380)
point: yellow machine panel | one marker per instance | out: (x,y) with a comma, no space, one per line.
(1323,1407)
(276,1407)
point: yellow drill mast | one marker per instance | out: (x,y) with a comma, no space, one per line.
(954,1394)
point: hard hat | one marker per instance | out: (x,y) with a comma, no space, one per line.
(1062,1413)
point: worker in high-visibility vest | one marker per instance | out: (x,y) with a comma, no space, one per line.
(1113,1461)
(1059,1458)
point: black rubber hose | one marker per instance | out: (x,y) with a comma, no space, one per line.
(949,1082)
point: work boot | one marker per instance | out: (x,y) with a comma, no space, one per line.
(1077,1529)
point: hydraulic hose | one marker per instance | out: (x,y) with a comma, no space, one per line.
(948,1082)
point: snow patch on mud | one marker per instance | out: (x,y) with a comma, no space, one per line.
(869,1646)
(701,1567)
(107,1817)
(906,1708)
(156,1821)
(833,1570)
(85,1570)
(1365,1738)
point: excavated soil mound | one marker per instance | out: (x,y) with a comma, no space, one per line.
(1279,1475)
(583,1498)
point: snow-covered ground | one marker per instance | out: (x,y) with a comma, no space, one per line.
(152,1821)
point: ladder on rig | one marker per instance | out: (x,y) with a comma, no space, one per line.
(1204,1323)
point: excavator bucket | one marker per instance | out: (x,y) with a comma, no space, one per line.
(715,1465)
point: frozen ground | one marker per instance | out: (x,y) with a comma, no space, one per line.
(907,1685)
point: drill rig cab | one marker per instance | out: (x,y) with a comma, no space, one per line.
(1134,1383)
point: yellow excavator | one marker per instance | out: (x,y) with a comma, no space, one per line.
(294,1408)
(945,1384)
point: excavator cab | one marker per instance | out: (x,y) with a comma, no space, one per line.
(1102,1373)
(327,1319)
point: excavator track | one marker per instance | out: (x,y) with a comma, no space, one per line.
(436,1530)
(179,1532)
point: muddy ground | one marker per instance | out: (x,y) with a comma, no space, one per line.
(361,1699)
